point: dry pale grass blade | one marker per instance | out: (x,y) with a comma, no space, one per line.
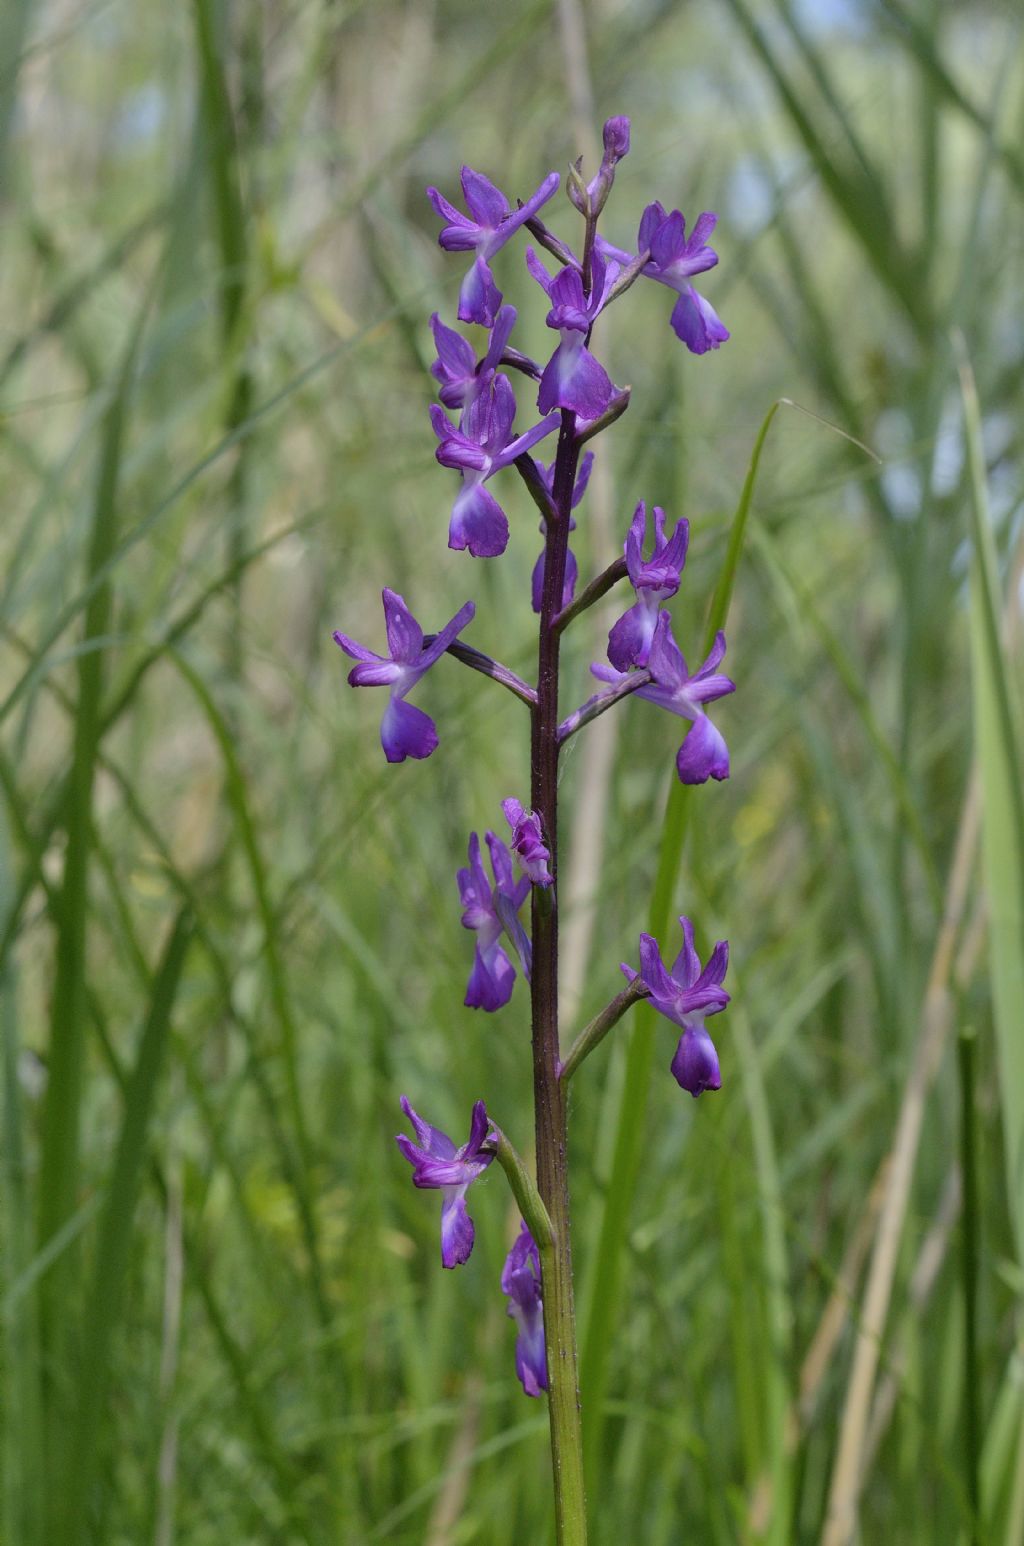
(819,1355)
(923,1279)
(936,1019)
(447,1510)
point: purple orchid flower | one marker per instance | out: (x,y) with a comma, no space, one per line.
(437,1163)
(492,911)
(490,223)
(520,1281)
(703,754)
(686,995)
(573,378)
(528,843)
(479,448)
(405,731)
(456,365)
(629,643)
(674,258)
(571,567)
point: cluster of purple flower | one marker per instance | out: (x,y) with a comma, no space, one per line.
(573,389)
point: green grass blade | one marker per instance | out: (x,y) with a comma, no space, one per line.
(58,1177)
(1002,781)
(279,993)
(114,1246)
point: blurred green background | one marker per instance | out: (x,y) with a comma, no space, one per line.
(230,933)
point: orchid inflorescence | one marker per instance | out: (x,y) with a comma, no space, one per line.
(576,399)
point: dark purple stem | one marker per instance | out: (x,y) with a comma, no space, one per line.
(549,1094)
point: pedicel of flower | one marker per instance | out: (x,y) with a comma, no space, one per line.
(405,730)
(438,1164)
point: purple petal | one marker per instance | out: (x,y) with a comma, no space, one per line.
(453,351)
(703,754)
(666,662)
(548,188)
(696,322)
(405,731)
(668,239)
(500,334)
(629,642)
(686,967)
(718,965)
(573,378)
(538,271)
(478,523)
(501,863)
(354,650)
(405,636)
(479,296)
(478,1126)
(695,1064)
(486,203)
(652,969)
(507,905)
(449,633)
(457,1233)
(502,414)
(435,1143)
(490,980)
(582,477)
(460,234)
(525,441)
(374,673)
(715,656)
(653,216)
